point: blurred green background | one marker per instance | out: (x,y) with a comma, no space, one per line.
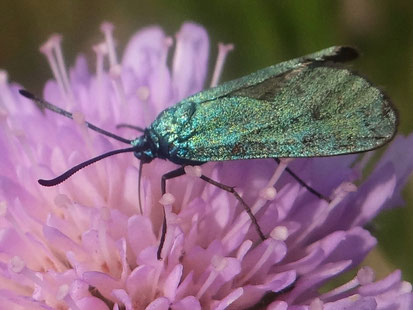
(264,32)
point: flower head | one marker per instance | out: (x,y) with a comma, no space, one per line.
(87,243)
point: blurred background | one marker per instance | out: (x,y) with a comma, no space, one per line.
(264,33)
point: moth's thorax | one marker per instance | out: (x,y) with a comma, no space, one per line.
(171,128)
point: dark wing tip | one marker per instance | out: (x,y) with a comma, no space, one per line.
(26,94)
(343,54)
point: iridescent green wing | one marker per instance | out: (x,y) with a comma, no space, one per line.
(301,108)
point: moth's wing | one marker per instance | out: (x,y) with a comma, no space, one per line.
(312,109)
(336,54)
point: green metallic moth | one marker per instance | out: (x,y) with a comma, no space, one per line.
(306,107)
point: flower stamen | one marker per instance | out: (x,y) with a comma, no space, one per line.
(364,276)
(223,50)
(107,29)
(53,52)
(218,264)
(63,294)
(271,244)
(101,50)
(243,218)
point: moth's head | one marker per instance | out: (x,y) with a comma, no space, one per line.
(143,150)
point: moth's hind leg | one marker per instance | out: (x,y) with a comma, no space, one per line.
(167,176)
(302,183)
(181,171)
(231,190)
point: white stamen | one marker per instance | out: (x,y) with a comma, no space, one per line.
(168,43)
(219,263)
(53,52)
(116,75)
(194,171)
(341,192)
(322,215)
(62,292)
(243,218)
(3,208)
(115,72)
(279,233)
(62,66)
(268,193)
(101,50)
(316,304)
(167,199)
(406,287)
(143,93)
(4,77)
(365,275)
(264,257)
(211,278)
(16,264)
(115,68)
(243,249)
(103,245)
(79,118)
(47,50)
(5,94)
(107,29)
(223,50)
(279,170)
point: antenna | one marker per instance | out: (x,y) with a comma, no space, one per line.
(47,105)
(76,168)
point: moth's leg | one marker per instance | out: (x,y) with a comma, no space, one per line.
(231,190)
(167,176)
(302,183)
(122,125)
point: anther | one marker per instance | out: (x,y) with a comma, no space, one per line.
(365,275)
(279,233)
(316,304)
(268,193)
(143,93)
(167,199)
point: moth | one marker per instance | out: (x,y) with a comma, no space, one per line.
(306,107)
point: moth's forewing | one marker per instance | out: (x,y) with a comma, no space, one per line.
(304,107)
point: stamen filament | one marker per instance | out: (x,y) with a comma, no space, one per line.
(223,50)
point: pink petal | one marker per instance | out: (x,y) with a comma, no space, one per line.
(190,60)
(161,303)
(187,303)
(91,303)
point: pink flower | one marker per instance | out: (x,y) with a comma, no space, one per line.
(86,244)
